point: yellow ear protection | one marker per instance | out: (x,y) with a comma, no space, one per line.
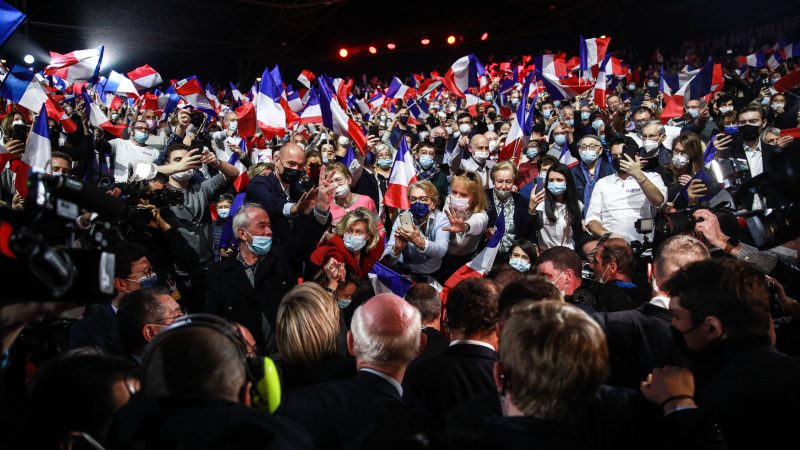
(261,371)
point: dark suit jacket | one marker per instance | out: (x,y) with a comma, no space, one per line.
(350,413)
(639,340)
(268,192)
(523,225)
(334,367)
(98,330)
(461,372)
(229,293)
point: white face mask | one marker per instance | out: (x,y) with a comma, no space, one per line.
(459,204)
(186,175)
(725,109)
(492,146)
(649,145)
(481,156)
(464,128)
(680,161)
(233,125)
(342,190)
(344,141)
(18,122)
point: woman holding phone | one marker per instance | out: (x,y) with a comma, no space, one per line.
(557,212)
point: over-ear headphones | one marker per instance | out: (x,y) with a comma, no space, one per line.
(265,391)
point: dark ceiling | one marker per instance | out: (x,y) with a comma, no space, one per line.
(235,39)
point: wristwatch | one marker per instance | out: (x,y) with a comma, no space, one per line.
(730,245)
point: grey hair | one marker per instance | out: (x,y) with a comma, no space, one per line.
(703,103)
(375,347)
(590,136)
(653,123)
(772,130)
(241,219)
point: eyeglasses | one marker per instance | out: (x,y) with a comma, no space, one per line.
(423,199)
(181,313)
(590,147)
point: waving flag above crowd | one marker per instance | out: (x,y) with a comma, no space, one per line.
(23,88)
(145,77)
(592,52)
(118,84)
(10,20)
(403,175)
(97,118)
(270,116)
(37,153)
(80,65)
(190,90)
(463,74)
(334,118)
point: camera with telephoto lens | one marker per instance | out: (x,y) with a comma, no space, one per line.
(665,225)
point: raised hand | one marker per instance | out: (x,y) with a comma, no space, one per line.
(326,189)
(457,220)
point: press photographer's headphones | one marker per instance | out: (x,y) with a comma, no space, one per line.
(265,391)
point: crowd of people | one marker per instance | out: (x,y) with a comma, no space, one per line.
(580,336)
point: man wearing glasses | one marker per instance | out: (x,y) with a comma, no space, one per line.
(592,167)
(127,153)
(144,314)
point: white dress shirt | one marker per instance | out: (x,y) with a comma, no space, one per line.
(617,204)
(558,233)
(756,163)
(127,155)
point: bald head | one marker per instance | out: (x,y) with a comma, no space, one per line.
(479,141)
(385,330)
(676,253)
(291,152)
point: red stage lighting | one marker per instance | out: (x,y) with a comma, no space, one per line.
(451,39)
(484,36)
(425,41)
(343,53)
(391,46)
(373,50)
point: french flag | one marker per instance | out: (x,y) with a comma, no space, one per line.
(600,87)
(55,112)
(291,117)
(398,90)
(699,86)
(517,138)
(312,112)
(565,88)
(334,118)
(342,90)
(237,94)
(118,84)
(270,116)
(293,98)
(386,280)
(757,60)
(428,86)
(80,65)
(376,101)
(97,117)
(241,182)
(418,109)
(168,102)
(190,90)
(613,66)
(246,116)
(212,97)
(786,83)
(403,174)
(482,263)
(23,88)
(305,78)
(145,77)
(592,52)
(552,65)
(362,106)
(463,74)
(37,153)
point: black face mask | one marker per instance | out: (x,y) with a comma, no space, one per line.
(749,132)
(403,120)
(492,115)
(289,175)
(615,164)
(439,142)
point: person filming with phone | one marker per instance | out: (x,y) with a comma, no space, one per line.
(419,241)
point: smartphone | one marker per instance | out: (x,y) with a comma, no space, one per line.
(313,173)
(630,150)
(406,221)
(373,130)
(19,132)
(198,119)
(538,186)
(651,163)
(712,185)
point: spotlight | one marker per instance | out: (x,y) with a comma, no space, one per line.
(373,50)
(258,79)
(28,59)
(425,41)
(391,46)
(451,39)
(343,53)
(484,36)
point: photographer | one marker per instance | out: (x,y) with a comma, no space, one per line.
(194,216)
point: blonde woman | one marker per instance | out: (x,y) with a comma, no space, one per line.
(465,208)
(344,200)
(356,243)
(307,329)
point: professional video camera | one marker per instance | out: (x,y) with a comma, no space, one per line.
(37,253)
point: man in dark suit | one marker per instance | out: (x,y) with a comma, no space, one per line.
(248,288)
(281,195)
(721,318)
(132,271)
(367,410)
(640,339)
(425,298)
(465,369)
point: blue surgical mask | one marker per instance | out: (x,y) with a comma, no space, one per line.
(765,101)
(694,112)
(547,113)
(419,210)
(325,160)
(531,152)
(570,122)
(588,156)
(261,244)
(354,243)
(140,136)
(597,123)
(426,161)
(557,187)
(520,264)
(557,102)
(343,303)
(148,281)
(585,115)
(385,163)
(223,213)
(560,139)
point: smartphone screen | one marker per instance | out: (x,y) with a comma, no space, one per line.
(19,132)
(373,130)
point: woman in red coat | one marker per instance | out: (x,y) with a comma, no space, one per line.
(356,243)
